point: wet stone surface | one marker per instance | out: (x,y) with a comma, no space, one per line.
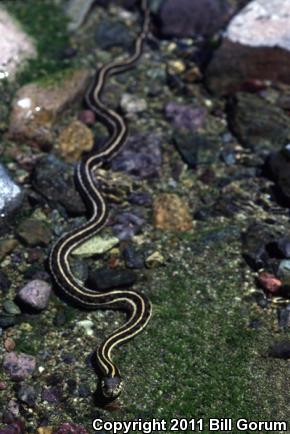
(11,198)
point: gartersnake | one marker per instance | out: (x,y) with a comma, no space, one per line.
(135,303)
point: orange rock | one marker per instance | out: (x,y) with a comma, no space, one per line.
(74,139)
(171,213)
(9,344)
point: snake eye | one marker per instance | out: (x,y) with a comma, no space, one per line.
(111,387)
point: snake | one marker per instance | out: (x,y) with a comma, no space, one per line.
(135,303)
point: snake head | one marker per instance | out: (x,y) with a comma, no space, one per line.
(111,387)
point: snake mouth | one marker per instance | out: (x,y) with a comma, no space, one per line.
(111,387)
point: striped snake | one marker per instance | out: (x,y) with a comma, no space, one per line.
(135,303)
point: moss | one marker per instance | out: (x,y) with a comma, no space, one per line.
(46,24)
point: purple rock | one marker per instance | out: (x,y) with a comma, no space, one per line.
(70,428)
(140,198)
(141,157)
(35,294)
(184,116)
(127,225)
(51,394)
(19,365)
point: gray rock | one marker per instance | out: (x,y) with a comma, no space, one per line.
(76,11)
(27,394)
(54,180)
(256,47)
(188,18)
(15,45)
(11,198)
(10,307)
(34,232)
(141,157)
(35,294)
(106,278)
(257,123)
(19,365)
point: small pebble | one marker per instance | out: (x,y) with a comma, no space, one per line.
(7,320)
(269,282)
(284,270)
(75,139)
(133,104)
(280,350)
(5,283)
(19,365)
(133,259)
(10,307)
(34,232)
(9,344)
(171,213)
(27,394)
(35,294)
(96,246)
(87,117)
(155,260)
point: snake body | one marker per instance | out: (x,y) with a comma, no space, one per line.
(136,304)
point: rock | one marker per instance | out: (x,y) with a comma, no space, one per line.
(141,157)
(10,307)
(195,148)
(12,412)
(45,430)
(35,294)
(185,116)
(37,106)
(189,18)
(76,11)
(269,282)
(54,180)
(280,350)
(27,394)
(96,246)
(283,247)
(278,167)
(11,198)
(105,278)
(70,428)
(284,271)
(140,198)
(127,225)
(112,35)
(133,259)
(171,213)
(87,325)
(15,45)
(87,117)
(258,123)
(74,140)
(5,283)
(255,241)
(155,260)
(256,47)
(51,394)
(7,246)
(7,320)
(132,104)
(9,344)
(34,232)
(284,317)
(19,365)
